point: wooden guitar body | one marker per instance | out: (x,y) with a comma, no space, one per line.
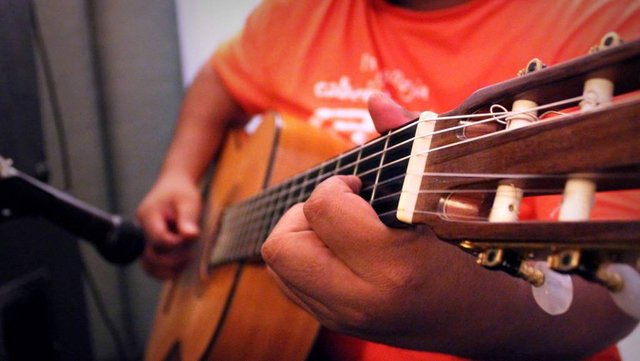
(235,311)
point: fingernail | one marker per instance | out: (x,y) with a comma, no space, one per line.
(190,227)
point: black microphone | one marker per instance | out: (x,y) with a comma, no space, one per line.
(118,240)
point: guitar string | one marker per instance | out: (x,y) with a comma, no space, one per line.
(502,115)
(320,176)
(513,176)
(306,182)
(299,187)
(593,176)
(492,117)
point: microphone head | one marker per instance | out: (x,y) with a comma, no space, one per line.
(124,244)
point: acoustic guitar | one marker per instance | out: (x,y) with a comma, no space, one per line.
(452,172)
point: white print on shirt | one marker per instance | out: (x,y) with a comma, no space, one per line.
(357,120)
(406,89)
(354,123)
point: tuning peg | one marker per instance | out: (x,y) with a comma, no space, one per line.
(608,40)
(534,64)
(555,294)
(627,294)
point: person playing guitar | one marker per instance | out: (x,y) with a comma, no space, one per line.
(333,63)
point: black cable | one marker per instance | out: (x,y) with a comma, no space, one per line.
(54,103)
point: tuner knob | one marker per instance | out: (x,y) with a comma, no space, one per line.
(555,294)
(608,40)
(565,261)
(534,64)
(627,298)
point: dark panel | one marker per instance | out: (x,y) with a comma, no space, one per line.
(42,306)
(20,128)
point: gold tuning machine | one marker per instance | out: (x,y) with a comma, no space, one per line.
(491,258)
(611,280)
(534,64)
(564,261)
(609,39)
(511,263)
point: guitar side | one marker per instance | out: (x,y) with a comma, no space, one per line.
(236,311)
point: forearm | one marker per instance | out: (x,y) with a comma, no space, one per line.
(208,110)
(489,315)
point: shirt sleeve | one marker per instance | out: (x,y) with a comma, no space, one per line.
(245,62)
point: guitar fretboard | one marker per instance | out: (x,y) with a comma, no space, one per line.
(380,164)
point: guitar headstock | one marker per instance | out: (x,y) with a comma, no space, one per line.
(567,132)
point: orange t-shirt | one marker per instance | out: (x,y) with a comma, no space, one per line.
(320,60)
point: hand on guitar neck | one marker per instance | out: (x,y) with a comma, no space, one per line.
(336,259)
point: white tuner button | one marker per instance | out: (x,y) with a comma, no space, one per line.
(628,297)
(555,295)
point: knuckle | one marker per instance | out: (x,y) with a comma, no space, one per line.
(315,208)
(354,321)
(270,249)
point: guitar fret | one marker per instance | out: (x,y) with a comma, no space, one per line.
(377,180)
(336,170)
(262,223)
(348,163)
(368,163)
(275,212)
(301,196)
(252,219)
(320,174)
(310,183)
(292,197)
(391,174)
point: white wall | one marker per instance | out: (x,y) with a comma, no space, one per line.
(630,346)
(203,24)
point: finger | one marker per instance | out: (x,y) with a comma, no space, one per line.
(160,273)
(187,214)
(287,289)
(337,214)
(387,114)
(162,270)
(301,259)
(157,227)
(174,257)
(326,316)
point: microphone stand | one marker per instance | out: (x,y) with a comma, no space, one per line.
(118,240)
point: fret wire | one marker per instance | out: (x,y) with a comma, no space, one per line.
(375,183)
(292,198)
(252,227)
(319,177)
(267,210)
(274,217)
(337,168)
(301,196)
(355,168)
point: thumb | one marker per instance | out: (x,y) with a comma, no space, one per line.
(387,114)
(188,213)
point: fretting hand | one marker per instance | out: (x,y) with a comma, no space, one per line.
(336,259)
